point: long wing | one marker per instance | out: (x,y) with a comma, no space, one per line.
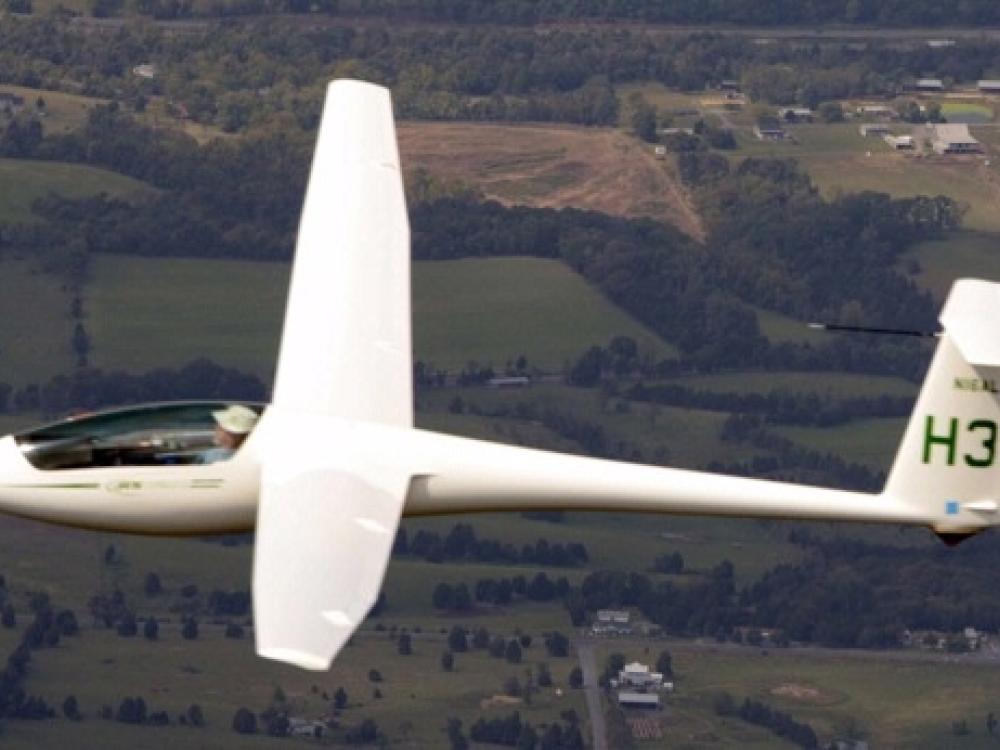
(345,348)
(328,514)
(325,527)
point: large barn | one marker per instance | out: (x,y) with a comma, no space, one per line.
(954,139)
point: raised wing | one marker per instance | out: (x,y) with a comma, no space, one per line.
(345,348)
(328,510)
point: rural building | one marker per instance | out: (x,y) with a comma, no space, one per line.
(305,728)
(11,103)
(660,152)
(953,139)
(795,114)
(874,130)
(636,675)
(675,131)
(509,381)
(878,111)
(730,85)
(769,133)
(901,142)
(612,622)
(144,70)
(630,699)
(940,43)
(989,87)
(929,84)
(972,637)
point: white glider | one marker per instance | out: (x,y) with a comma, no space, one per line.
(334,460)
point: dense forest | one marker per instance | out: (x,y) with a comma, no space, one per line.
(467,73)
(890,13)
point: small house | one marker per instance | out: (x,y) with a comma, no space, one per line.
(877,111)
(900,142)
(769,133)
(11,103)
(874,130)
(631,699)
(796,114)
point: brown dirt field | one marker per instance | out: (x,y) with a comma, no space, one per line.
(802,693)
(553,166)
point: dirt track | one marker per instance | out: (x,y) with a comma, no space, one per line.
(553,166)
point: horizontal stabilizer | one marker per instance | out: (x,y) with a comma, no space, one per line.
(967,317)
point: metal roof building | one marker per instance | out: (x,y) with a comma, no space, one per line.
(953,139)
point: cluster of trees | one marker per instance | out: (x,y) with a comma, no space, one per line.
(133,710)
(512,731)
(778,406)
(461,543)
(756,712)
(771,237)
(89,389)
(458,598)
(620,359)
(458,73)
(848,593)
(45,631)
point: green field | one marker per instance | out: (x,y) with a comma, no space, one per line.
(872,442)
(35,335)
(894,704)
(963,254)
(147,313)
(492,310)
(966,111)
(690,437)
(22,181)
(839,160)
(62,111)
(222,675)
(834,384)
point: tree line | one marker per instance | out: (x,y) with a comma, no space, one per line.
(467,72)
(462,543)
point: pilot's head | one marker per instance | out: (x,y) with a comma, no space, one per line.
(232,425)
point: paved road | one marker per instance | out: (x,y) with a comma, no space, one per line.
(592,691)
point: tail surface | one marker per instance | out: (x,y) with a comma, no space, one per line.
(948,462)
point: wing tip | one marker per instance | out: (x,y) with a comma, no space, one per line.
(303,659)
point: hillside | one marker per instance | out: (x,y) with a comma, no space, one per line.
(554,167)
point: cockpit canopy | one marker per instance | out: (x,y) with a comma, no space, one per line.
(179,432)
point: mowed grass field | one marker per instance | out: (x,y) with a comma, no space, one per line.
(22,181)
(834,384)
(839,160)
(62,112)
(35,326)
(963,254)
(895,704)
(492,310)
(147,313)
(222,675)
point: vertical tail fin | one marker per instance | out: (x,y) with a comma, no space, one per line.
(948,462)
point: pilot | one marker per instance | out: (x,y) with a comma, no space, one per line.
(232,426)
